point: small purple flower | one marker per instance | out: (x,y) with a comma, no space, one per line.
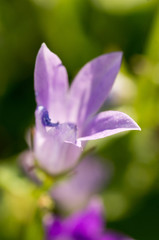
(85,225)
(65,118)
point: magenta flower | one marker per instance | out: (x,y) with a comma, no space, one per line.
(85,225)
(65,118)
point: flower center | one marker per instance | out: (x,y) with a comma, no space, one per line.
(65,131)
(46,121)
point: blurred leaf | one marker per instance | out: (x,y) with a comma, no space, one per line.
(123,6)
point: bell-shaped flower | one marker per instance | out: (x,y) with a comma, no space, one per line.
(66,118)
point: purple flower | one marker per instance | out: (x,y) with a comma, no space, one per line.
(65,118)
(74,192)
(85,225)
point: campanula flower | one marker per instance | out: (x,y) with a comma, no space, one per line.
(66,117)
(87,224)
(74,192)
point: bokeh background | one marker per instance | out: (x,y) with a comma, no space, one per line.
(79,30)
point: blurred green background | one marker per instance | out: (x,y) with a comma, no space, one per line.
(79,30)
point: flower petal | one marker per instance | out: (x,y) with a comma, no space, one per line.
(55,147)
(108,123)
(72,194)
(55,155)
(92,85)
(53,227)
(89,223)
(51,83)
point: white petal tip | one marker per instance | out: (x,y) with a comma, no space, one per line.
(138,128)
(43,45)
